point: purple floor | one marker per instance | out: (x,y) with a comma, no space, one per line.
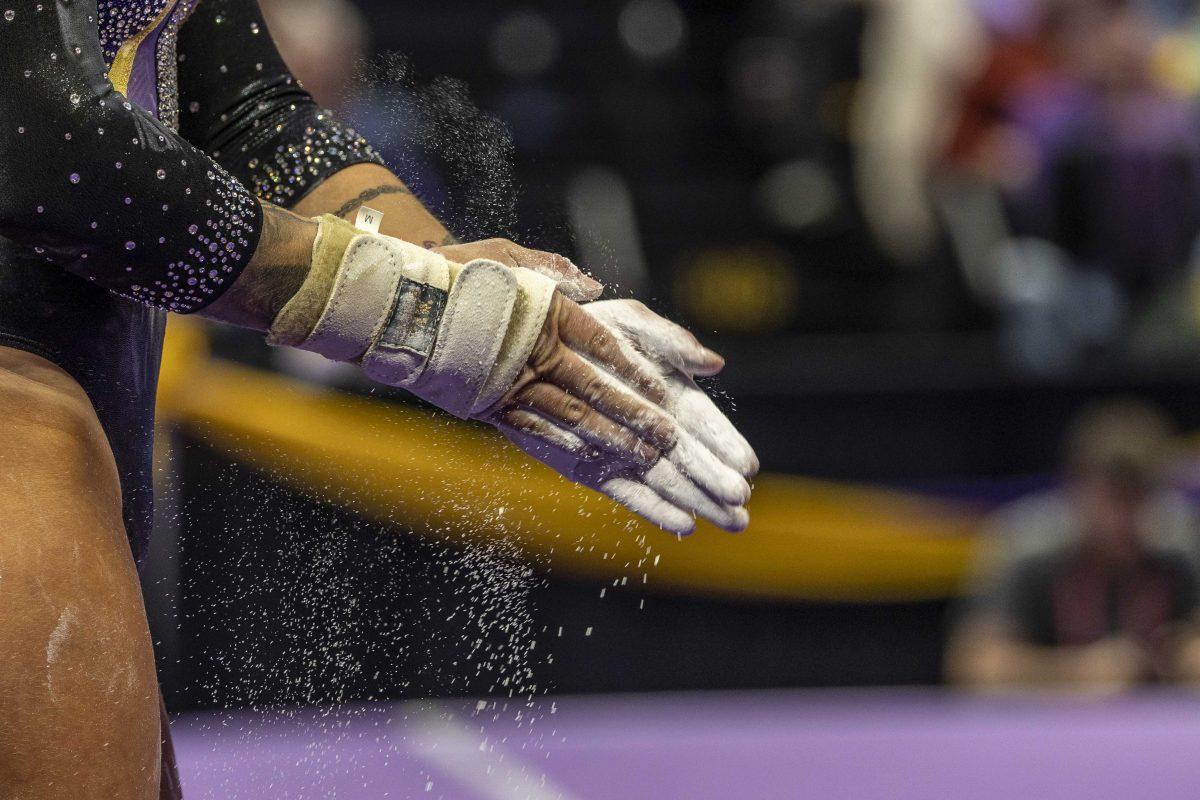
(824,746)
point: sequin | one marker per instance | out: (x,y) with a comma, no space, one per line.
(322,148)
(121,20)
(168,64)
(220,243)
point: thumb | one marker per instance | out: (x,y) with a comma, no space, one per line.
(658,337)
(572,281)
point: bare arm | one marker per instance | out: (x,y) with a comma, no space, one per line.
(404,217)
(274,274)
(282,259)
(983,654)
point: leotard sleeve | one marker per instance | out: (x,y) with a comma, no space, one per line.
(241,105)
(97,185)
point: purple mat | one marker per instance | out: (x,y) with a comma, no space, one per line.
(824,746)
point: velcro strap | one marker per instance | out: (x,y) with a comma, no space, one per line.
(473,328)
(365,292)
(534,293)
(408,336)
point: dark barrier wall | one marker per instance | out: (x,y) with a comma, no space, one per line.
(286,600)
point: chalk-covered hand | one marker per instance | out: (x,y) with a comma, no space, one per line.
(482,341)
(704,473)
(570,279)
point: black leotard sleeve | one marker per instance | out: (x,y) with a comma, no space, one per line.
(240,103)
(99,186)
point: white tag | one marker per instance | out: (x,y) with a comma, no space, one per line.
(368,220)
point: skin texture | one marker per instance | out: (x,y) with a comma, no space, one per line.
(560,384)
(80,695)
(274,274)
(344,192)
(704,475)
(405,218)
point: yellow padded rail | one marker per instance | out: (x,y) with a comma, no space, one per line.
(808,539)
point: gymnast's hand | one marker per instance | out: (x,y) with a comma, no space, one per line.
(601,400)
(703,473)
(571,280)
(482,341)
(577,379)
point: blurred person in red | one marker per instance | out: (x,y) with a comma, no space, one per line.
(1046,142)
(1090,151)
(1093,586)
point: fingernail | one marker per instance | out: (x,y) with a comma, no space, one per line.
(714,358)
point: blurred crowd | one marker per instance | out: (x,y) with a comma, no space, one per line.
(1053,143)
(1026,167)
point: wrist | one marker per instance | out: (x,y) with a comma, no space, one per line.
(274,274)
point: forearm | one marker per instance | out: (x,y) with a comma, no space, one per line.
(987,661)
(282,259)
(372,185)
(275,273)
(1006,662)
(1180,656)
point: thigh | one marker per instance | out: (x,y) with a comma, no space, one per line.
(79,714)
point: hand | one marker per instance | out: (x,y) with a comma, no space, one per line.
(1110,665)
(579,380)
(702,475)
(571,280)
(500,343)
(671,351)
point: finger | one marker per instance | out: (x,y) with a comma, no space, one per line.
(657,336)
(645,502)
(553,446)
(556,447)
(572,281)
(666,479)
(582,419)
(584,381)
(529,424)
(595,341)
(710,473)
(492,250)
(699,415)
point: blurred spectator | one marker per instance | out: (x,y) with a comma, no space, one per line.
(1055,144)
(1089,150)
(1095,585)
(915,54)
